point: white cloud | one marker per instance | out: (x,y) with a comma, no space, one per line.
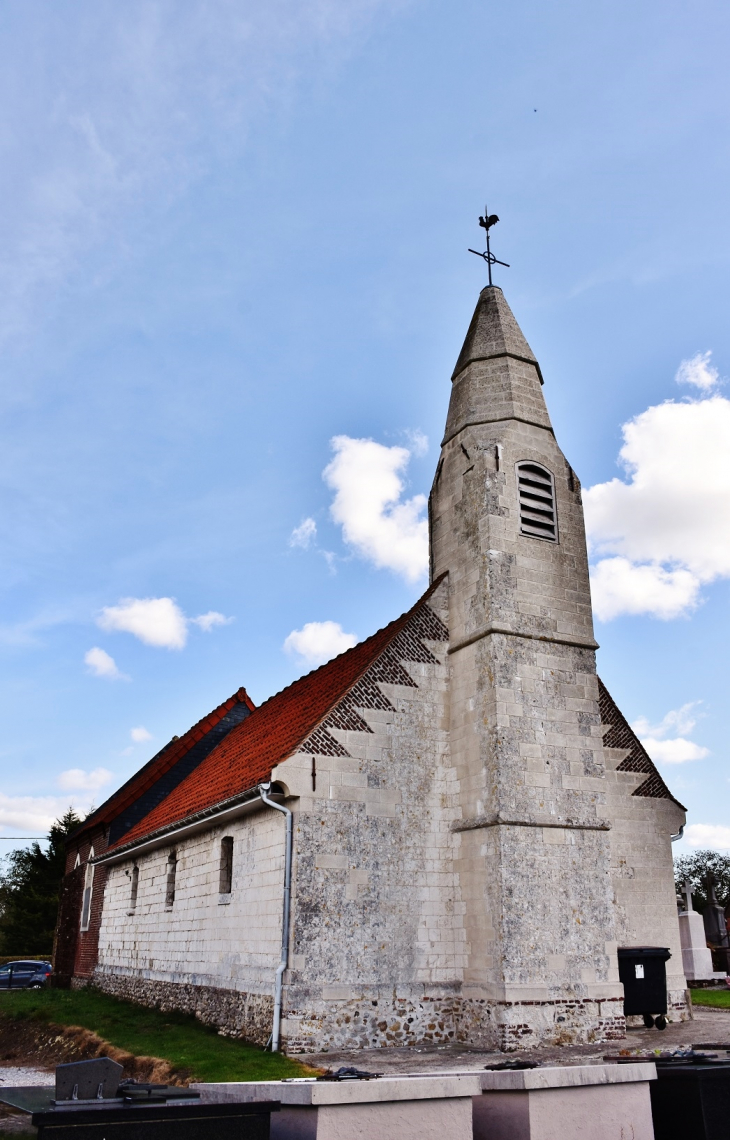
(698,371)
(376,521)
(78,780)
(319,641)
(155,621)
(140,735)
(417,441)
(102,665)
(209,621)
(713,835)
(619,586)
(676,749)
(35,814)
(680,720)
(665,531)
(304,534)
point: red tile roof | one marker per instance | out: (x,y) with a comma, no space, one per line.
(165,759)
(270,734)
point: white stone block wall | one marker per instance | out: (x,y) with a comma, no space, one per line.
(205,940)
(642,872)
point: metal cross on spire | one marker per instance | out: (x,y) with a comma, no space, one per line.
(486,223)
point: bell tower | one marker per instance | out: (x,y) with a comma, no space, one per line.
(533,858)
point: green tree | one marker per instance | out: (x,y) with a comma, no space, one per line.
(695,868)
(29,890)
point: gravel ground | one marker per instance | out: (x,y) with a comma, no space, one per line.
(15,1076)
(708,1026)
(18,1123)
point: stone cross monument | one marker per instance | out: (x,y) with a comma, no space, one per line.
(696,957)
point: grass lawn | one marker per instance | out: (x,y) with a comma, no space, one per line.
(175,1037)
(718,999)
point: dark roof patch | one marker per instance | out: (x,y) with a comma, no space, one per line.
(161,763)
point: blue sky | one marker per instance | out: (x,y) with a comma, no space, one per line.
(231,234)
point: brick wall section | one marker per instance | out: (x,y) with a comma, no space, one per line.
(636,759)
(67,927)
(69,933)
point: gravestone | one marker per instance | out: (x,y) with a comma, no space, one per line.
(696,956)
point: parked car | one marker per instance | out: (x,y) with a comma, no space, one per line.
(25,975)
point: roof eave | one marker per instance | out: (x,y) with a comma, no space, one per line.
(214,816)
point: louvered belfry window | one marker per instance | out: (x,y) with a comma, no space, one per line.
(538,518)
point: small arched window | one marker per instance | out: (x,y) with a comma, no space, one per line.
(134,888)
(88,891)
(171,878)
(226,866)
(538,517)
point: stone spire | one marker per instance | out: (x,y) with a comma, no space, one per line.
(493,333)
(497,376)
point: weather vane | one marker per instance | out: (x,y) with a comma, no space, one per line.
(486,223)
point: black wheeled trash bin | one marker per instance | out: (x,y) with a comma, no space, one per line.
(643,971)
(690,1100)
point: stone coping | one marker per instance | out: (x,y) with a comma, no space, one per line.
(435,1086)
(566,1076)
(306,1092)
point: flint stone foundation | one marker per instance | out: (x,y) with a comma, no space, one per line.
(233,1013)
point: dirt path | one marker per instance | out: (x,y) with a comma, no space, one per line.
(33,1044)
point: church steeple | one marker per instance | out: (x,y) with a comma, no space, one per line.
(493,333)
(497,376)
(525,726)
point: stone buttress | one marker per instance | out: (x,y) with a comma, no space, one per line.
(532,841)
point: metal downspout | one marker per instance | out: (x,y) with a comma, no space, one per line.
(264,790)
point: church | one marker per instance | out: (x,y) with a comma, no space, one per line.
(445,833)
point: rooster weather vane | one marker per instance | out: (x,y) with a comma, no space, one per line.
(486,223)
